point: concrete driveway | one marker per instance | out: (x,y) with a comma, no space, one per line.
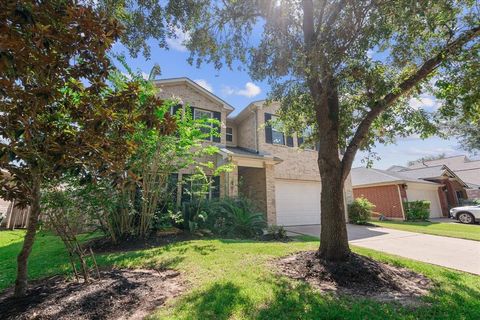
(452,253)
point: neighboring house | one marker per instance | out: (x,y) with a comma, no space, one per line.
(466,169)
(388,190)
(454,187)
(270,168)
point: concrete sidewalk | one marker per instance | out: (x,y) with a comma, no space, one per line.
(448,252)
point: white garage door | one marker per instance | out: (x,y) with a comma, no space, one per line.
(297,202)
(424,193)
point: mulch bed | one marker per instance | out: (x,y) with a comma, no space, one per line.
(119,294)
(103,245)
(359,276)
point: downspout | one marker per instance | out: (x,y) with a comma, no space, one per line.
(401,200)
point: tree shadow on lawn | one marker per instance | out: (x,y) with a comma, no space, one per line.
(49,260)
(288,300)
(298,300)
(219,301)
(294,299)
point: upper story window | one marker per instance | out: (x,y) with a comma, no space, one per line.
(274,133)
(229,134)
(305,139)
(203,114)
(278,137)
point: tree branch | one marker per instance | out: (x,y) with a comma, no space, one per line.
(309,38)
(404,87)
(308,24)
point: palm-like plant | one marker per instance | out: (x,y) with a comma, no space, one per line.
(240,218)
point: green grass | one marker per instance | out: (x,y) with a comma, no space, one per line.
(454,230)
(232,279)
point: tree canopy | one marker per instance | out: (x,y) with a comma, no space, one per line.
(348,69)
(57,112)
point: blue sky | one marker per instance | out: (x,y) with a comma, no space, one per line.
(236,87)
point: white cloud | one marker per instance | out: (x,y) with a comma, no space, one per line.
(203,83)
(250,90)
(145,75)
(425,102)
(178,42)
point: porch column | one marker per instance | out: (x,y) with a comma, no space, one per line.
(451,196)
(270,194)
(231,180)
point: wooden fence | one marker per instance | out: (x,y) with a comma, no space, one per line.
(15,217)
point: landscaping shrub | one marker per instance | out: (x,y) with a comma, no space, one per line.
(360,211)
(417,210)
(229,217)
(276,233)
(195,215)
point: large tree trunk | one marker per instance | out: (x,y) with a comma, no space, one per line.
(22,259)
(333,235)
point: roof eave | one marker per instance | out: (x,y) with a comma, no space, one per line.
(225,104)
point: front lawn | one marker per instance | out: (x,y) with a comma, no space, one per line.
(232,279)
(454,230)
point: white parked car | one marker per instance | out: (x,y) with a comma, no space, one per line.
(467,214)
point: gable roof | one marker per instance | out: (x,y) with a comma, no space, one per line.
(455,163)
(191,83)
(368,176)
(432,172)
(396,168)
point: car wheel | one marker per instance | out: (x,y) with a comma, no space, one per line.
(466,218)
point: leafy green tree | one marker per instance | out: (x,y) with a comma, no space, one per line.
(146,20)
(469,135)
(56,112)
(345,68)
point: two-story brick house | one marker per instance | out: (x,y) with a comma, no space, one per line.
(270,168)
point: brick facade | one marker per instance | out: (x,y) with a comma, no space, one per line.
(255,176)
(385,198)
(473,194)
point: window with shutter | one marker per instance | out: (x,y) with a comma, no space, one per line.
(305,139)
(278,137)
(205,114)
(174,109)
(217,116)
(268,128)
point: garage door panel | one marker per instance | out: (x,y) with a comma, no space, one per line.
(297,202)
(415,194)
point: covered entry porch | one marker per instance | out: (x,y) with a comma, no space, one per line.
(252,177)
